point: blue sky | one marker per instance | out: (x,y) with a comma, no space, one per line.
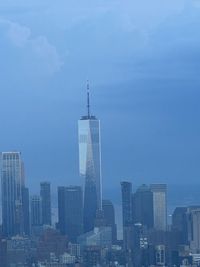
(143,61)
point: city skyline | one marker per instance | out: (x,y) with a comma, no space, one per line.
(143,67)
(99,147)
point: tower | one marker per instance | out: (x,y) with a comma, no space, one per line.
(45,194)
(159,206)
(142,207)
(36,211)
(109,217)
(70,211)
(90,164)
(26,211)
(126,190)
(12,183)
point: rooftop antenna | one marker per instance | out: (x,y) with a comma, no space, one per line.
(88,99)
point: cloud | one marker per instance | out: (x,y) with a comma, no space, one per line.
(42,50)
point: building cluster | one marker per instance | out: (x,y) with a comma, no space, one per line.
(85,232)
(148,238)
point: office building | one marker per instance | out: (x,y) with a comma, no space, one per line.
(159,206)
(36,211)
(126,190)
(45,194)
(70,211)
(90,165)
(26,210)
(109,218)
(12,181)
(180,224)
(142,207)
(194,220)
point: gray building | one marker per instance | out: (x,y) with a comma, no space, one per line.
(109,218)
(45,194)
(90,165)
(180,224)
(100,236)
(26,210)
(142,207)
(70,211)
(126,190)
(36,211)
(12,182)
(159,206)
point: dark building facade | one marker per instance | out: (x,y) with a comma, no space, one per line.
(70,211)
(45,194)
(36,211)
(142,207)
(126,190)
(26,210)
(179,224)
(109,217)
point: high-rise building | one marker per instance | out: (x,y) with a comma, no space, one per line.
(193,215)
(90,165)
(36,211)
(26,210)
(142,207)
(180,224)
(195,242)
(159,206)
(70,211)
(109,217)
(12,181)
(45,194)
(126,190)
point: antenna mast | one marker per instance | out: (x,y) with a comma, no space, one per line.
(88,99)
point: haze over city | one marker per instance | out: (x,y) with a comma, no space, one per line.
(142,60)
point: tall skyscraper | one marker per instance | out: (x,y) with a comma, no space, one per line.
(90,165)
(12,182)
(70,211)
(26,210)
(195,230)
(142,207)
(159,206)
(109,217)
(126,190)
(45,194)
(180,224)
(36,211)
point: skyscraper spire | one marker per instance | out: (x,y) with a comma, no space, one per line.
(88,99)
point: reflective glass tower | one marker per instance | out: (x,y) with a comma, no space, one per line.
(12,183)
(90,165)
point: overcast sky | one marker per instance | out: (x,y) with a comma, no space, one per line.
(143,62)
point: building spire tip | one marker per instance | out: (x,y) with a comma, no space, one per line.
(88,99)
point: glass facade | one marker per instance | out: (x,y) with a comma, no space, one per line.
(70,211)
(12,182)
(90,167)
(159,206)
